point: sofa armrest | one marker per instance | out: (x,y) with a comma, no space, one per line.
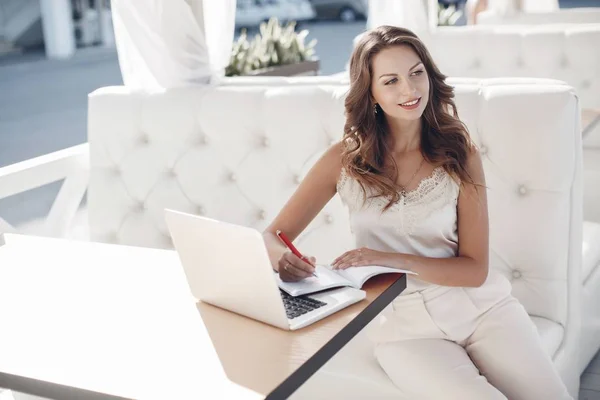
(70,165)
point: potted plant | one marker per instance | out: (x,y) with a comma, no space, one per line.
(276,51)
(448,16)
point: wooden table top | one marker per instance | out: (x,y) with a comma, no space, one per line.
(261,357)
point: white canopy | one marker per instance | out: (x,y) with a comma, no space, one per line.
(170,43)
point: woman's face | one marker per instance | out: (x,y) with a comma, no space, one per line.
(400,84)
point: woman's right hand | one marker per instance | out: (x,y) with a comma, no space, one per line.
(292,268)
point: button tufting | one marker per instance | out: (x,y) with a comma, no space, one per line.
(329,218)
(332,141)
(116,171)
(140,207)
(586,84)
(143,139)
(564,61)
(483,150)
(516,274)
(262,214)
(297,179)
(522,190)
(476,63)
(170,172)
(202,140)
(201,210)
(520,63)
(232,177)
(266,142)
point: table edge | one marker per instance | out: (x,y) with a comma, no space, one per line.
(284,390)
(335,344)
(51,390)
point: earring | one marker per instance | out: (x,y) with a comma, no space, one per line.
(375,109)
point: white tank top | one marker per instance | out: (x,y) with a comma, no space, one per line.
(423,223)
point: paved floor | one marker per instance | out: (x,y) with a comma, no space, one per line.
(590,381)
(43,108)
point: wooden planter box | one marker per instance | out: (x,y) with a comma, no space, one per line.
(302,68)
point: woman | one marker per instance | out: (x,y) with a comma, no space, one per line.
(414,185)
(505,8)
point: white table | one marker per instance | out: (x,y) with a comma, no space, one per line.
(114,320)
(85,320)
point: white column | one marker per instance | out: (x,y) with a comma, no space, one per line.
(410,14)
(107,35)
(57,25)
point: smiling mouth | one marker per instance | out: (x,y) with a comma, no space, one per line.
(411,103)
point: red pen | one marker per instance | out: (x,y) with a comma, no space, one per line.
(292,248)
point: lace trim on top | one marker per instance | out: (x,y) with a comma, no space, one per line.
(432,193)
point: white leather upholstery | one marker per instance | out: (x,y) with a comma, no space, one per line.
(591,163)
(590,97)
(551,333)
(590,294)
(590,15)
(568,53)
(591,249)
(237,152)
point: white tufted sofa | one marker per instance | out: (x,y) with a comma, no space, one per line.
(568,53)
(565,52)
(580,67)
(236,152)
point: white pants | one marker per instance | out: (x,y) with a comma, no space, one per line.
(455,343)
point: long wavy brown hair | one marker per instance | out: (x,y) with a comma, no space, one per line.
(366,156)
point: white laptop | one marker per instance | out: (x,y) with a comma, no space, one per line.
(228,266)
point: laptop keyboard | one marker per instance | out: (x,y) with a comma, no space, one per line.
(297,306)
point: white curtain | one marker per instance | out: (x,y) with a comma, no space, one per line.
(172,43)
(410,14)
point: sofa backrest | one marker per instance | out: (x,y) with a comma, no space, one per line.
(565,52)
(237,153)
(584,15)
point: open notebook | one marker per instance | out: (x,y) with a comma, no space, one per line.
(328,278)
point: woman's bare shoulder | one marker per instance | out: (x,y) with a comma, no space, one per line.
(332,159)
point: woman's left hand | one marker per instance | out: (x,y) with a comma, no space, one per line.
(359,258)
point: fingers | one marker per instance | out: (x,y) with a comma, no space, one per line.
(286,272)
(299,264)
(292,268)
(341,258)
(344,261)
(353,258)
(348,262)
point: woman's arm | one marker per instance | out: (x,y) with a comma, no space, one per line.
(473,8)
(316,189)
(470,267)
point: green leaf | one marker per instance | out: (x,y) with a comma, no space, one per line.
(273,45)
